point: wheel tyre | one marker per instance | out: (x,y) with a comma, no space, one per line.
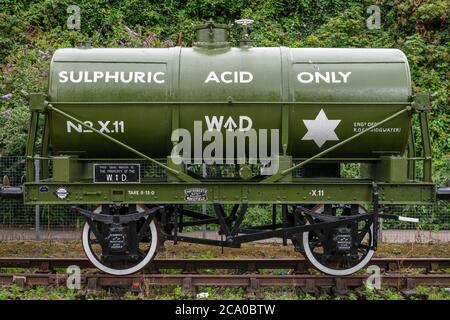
(336,272)
(121,272)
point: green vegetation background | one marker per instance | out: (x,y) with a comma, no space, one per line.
(30,31)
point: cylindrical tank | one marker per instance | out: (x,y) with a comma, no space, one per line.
(140,95)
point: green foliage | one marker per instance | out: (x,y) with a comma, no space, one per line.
(30,31)
(260,214)
(13,292)
(433,293)
(13,132)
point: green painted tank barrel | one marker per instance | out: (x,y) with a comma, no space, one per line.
(134,95)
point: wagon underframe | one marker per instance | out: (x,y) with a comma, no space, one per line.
(306,191)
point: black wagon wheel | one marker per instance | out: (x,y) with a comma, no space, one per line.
(121,264)
(339,251)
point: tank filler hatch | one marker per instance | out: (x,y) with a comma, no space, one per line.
(211,35)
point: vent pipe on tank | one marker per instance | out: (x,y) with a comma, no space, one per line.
(246,25)
(84,45)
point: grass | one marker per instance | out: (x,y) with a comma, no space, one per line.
(13,292)
(73,249)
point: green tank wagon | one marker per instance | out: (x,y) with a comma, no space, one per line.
(283,119)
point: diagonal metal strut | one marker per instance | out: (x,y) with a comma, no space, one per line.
(183,176)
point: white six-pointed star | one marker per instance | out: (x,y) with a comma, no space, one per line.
(321,129)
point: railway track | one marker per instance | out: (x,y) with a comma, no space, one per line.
(297,266)
(294,273)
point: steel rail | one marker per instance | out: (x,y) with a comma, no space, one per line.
(309,283)
(247,265)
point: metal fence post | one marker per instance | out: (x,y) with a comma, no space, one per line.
(37,209)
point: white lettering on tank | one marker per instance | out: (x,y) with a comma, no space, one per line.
(242,75)
(230,77)
(212,77)
(63,77)
(76,127)
(86,77)
(223,74)
(324,77)
(333,78)
(122,77)
(98,75)
(241,123)
(301,78)
(215,123)
(109,76)
(156,75)
(72,78)
(139,77)
(106,126)
(345,76)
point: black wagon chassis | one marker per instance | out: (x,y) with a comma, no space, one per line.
(231,224)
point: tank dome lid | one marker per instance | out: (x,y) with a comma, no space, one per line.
(211,35)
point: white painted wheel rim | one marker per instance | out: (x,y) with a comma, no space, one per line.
(337,272)
(121,272)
